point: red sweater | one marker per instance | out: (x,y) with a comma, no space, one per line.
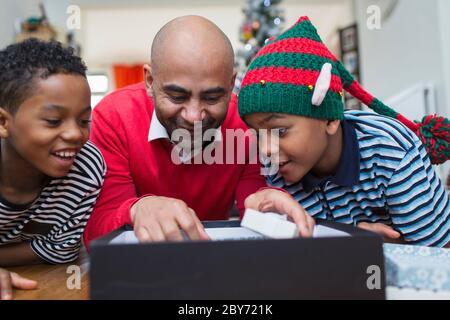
(138,168)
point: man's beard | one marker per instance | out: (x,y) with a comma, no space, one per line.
(196,133)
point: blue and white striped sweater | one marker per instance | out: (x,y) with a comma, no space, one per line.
(396,184)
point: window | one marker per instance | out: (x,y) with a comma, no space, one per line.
(99,84)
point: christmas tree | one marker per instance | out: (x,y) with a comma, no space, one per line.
(263,20)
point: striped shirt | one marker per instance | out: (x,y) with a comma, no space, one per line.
(384,176)
(54,223)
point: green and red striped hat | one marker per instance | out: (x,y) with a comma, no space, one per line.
(297,74)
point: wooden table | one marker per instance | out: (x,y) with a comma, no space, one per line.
(52,281)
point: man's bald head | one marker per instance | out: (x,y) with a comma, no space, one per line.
(191,37)
(191,76)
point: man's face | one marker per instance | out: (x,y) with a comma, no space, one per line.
(186,92)
(51,126)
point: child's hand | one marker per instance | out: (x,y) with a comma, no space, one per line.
(389,234)
(281,202)
(10,280)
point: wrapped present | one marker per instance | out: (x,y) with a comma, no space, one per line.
(417,267)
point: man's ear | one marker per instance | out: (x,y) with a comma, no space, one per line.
(148,77)
(5,121)
(233,79)
(333,127)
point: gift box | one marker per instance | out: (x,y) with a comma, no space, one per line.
(417,267)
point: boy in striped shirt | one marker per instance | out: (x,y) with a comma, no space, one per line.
(50,175)
(370,170)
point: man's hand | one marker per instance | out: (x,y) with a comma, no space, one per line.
(10,280)
(389,234)
(271,200)
(160,219)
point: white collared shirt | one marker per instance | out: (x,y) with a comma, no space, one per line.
(157,130)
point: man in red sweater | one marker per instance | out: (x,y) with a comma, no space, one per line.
(189,81)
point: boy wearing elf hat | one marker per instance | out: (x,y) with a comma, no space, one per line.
(372,170)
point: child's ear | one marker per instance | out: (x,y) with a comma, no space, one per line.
(333,127)
(148,77)
(5,119)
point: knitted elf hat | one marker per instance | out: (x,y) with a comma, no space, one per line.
(297,74)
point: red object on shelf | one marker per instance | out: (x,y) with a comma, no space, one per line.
(126,75)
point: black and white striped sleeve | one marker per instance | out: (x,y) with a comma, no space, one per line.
(63,243)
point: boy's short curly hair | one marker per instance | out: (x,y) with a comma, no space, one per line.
(22,63)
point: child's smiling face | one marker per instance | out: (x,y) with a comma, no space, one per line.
(303,142)
(50,127)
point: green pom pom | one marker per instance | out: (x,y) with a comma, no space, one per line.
(434,132)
